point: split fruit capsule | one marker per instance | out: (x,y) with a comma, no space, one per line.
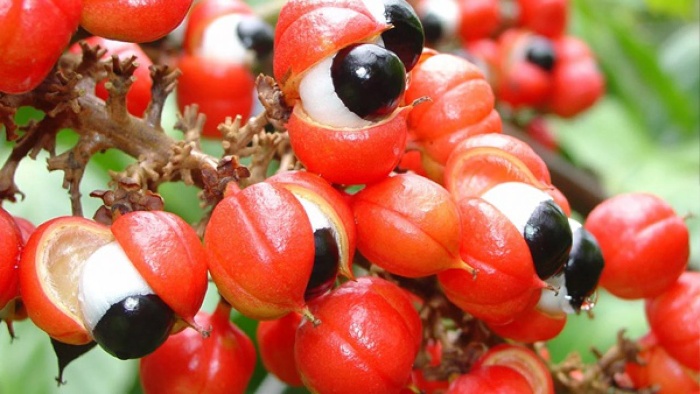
(342,65)
(223,42)
(275,244)
(515,236)
(127,286)
(307,32)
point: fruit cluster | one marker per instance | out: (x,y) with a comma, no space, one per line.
(35,33)
(416,230)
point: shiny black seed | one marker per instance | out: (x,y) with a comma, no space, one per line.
(134,326)
(549,238)
(432,27)
(369,80)
(583,269)
(406,38)
(540,52)
(256,34)
(326,261)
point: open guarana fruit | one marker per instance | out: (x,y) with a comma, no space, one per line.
(80,284)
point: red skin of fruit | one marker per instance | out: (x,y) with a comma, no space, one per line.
(546,17)
(461,103)
(139,95)
(478,18)
(309,31)
(221,90)
(261,251)
(203,13)
(660,369)
(133,21)
(505,283)
(673,317)
(349,156)
(189,363)
(33,36)
(411,161)
(540,131)
(482,161)
(334,203)
(493,379)
(645,244)
(517,81)
(275,340)
(523,360)
(367,339)
(40,308)
(414,212)
(10,248)
(440,149)
(169,255)
(531,325)
(426,386)
(577,82)
(458,92)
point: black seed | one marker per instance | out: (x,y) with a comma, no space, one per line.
(406,38)
(134,326)
(326,261)
(256,34)
(432,27)
(583,269)
(369,79)
(66,353)
(540,52)
(548,236)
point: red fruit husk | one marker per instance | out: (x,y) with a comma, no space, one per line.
(645,244)
(412,211)
(366,328)
(673,317)
(169,255)
(658,369)
(505,283)
(190,363)
(276,340)
(523,360)
(10,247)
(491,379)
(309,31)
(261,232)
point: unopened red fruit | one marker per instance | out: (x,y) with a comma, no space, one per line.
(645,244)
(276,340)
(34,34)
(133,21)
(366,328)
(190,363)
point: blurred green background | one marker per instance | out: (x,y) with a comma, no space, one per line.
(643,136)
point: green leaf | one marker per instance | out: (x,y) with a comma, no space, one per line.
(676,8)
(627,55)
